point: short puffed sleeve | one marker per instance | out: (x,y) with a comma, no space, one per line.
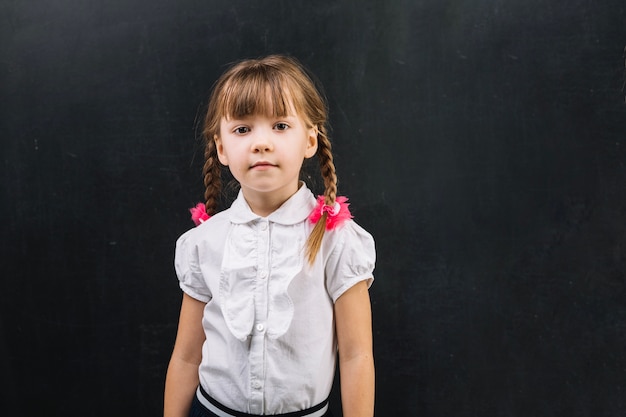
(351,259)
(187,265)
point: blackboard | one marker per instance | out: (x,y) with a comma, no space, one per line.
(481,142)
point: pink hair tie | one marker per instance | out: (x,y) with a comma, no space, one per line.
(336,214)
(199,214)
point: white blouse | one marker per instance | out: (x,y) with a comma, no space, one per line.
(269,321)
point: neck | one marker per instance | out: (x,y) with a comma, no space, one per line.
(263,208)
(264,204)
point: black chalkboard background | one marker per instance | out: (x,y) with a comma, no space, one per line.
(481,142)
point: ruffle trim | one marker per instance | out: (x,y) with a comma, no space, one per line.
(240,277)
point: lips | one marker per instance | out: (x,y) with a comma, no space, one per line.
(263,164)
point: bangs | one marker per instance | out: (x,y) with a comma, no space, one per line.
(259,90)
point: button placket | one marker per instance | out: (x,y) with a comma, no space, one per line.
(257,345)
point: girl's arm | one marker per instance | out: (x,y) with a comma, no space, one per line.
(182,373)
(353,317)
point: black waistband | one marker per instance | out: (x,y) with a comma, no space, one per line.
(235,413)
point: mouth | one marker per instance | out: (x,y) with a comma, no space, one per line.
(262,165)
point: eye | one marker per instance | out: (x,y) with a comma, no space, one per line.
(241,130)
(281,126)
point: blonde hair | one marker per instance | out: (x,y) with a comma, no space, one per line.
(244,90)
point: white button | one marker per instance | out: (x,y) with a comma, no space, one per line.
(260,327)
(263,274)
(264,226)
(256,384)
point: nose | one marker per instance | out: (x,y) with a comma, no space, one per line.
(261,141)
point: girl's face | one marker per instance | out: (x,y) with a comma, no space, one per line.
(265,154)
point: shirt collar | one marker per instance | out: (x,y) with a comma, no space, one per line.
(295,210)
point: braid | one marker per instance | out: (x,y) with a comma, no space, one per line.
(327,166)
(212,177)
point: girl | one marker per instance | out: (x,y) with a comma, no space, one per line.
(278,283)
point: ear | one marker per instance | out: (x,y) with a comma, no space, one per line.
(219,147)
(311,142)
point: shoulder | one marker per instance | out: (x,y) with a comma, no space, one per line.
(349,245)
(212,229)
(348,233)
(350,257)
